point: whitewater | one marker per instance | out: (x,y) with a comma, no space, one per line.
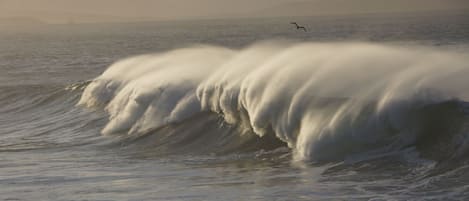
(326,101)
(357,108)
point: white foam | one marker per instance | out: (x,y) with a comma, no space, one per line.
(323,99)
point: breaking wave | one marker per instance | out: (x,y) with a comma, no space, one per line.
(326,101)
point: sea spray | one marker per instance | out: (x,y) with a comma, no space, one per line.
(325,100)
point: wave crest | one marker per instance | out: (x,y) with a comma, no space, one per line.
(327,101)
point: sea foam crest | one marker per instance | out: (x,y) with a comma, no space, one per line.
(323,99)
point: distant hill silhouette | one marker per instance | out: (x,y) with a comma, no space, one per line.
(347,7)
(20,21)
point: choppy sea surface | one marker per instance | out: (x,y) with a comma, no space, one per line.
(366,107)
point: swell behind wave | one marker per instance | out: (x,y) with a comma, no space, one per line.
(327,101)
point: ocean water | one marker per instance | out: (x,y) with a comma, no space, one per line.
(366,107)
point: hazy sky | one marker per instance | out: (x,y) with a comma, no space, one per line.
(125,10)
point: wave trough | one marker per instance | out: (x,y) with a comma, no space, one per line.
(327,101)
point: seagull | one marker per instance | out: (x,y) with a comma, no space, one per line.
(298,27)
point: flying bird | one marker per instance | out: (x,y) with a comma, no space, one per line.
(298,26)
